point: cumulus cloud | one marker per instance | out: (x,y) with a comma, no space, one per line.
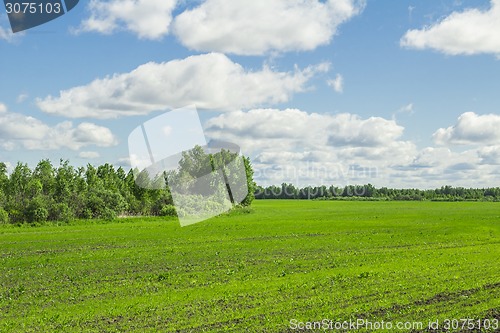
(438,162)
(18,130)
(471,129)
(148,19)
(124,162)
(22,97)
(472,31)
(310,148)
(337,84)
(339,130)
(87,133)
(258,27)
(89,154)
(350,130)
(6,34)
(434,167)
(406,109)
(209,81)
(489,155)
(431,157)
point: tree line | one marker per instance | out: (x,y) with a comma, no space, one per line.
(65,192)
(369,192)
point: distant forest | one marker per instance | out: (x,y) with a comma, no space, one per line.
(369,192)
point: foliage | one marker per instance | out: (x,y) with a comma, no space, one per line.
(250,183)
(64,193)
(199,173)
(369,192)
(4,216)
(168,210)
(60,212)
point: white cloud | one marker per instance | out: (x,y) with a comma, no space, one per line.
(6,34)
(432,157)
(124,162)
(472,31)
(18,130)
(294,126)
(89,154)
(406,109)
(258,27)
(490,155)
(337,84)
(209,81)
(22,97)
(310,148)
(471,129)
(434,167)
(148,19)
(3,108)
(439,161)
(351,130)
(88,133)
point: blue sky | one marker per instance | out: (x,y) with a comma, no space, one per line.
(400,93)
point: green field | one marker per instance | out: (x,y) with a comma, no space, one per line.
(254,272)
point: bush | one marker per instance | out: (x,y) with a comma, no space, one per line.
(108,214)
(86,214)
(60,212)
(239,210)
(4,216)
(16,216)
(36,211)
(168,210)
(105,204)
(196,205)
(39,215)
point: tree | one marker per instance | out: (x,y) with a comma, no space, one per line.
(64,193)
(45,173)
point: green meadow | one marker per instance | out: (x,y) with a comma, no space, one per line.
(272,268)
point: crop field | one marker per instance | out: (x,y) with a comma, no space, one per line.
(282,265)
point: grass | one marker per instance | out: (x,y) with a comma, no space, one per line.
(254,272)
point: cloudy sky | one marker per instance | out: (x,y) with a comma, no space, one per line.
(399,93)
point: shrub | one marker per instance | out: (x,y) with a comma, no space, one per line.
(60,212)
(86,214)
(39,215)
(105,204)
(36,211)
(108,214)
(4,216)
(168,210)
(16,216)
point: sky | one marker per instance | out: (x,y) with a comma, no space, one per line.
(393,93)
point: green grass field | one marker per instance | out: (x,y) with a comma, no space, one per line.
(255,272)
